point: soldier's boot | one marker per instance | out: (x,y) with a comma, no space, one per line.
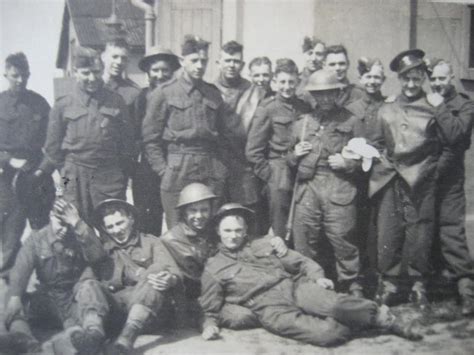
(90,337)
(19,340)
(387,321)
(418,295)
(387,293)
(137,318)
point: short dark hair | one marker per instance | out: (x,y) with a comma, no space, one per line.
(119,42)
(310,43)
(193,44)
(19,61)
(286,65)
(336,49)
(232,47)
(260,61)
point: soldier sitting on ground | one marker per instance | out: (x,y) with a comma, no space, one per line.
(141,274)
(289,294)
(64,295)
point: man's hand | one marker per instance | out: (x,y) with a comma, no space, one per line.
(337,162)
(210,333)
(303,148)
(162,280)
(17,163)
(67,212)
(435,99)
(13,309)
(279,247)
(325,283)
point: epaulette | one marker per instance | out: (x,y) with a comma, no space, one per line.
(464,96)
(390,99)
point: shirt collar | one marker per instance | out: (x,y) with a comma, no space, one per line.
(134,240)
(86,98)
(187,83)
(232,84)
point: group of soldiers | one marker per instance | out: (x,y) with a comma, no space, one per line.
(263,193)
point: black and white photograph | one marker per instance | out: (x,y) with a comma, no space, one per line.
(242,177)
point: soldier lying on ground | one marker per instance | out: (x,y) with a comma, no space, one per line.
(59,257)
(289,295)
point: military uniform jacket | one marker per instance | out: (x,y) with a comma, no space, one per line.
(270,133)
(407,134)
(125,265)
(236,276)
(350,94)
(457,112)
(126,88)
(59,263)
(23,124)
(89,130)
(187,117)
(328,134)
(366,109)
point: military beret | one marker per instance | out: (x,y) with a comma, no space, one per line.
(310,43)
(157,53)
(19,61)
(407,60)
(193,44)
(365,64)
(85,57)
(431,63)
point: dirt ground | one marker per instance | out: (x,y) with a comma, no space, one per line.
(445,332)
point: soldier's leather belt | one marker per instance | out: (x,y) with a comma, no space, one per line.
(191,149)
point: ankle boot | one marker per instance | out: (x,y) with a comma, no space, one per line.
(386,320)
(137,318)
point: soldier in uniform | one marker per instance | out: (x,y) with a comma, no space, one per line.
(288,294)
(269,140)
(403,182)
(90,138)
(66,293)
(23,124)
(159,65)
(188,130)
(326,191)
(115,59)
(140,272)
(261,74)
(451,198)
(242,185)
(371,78)
(314,52)
(337,61)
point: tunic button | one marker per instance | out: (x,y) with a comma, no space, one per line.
(404,126)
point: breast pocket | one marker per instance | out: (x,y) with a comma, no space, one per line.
(282,129)
(210,112)
(142,257)
(110,123)
(180,115)
(76,125)
(339,137)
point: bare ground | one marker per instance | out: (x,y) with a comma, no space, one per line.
(445,332)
